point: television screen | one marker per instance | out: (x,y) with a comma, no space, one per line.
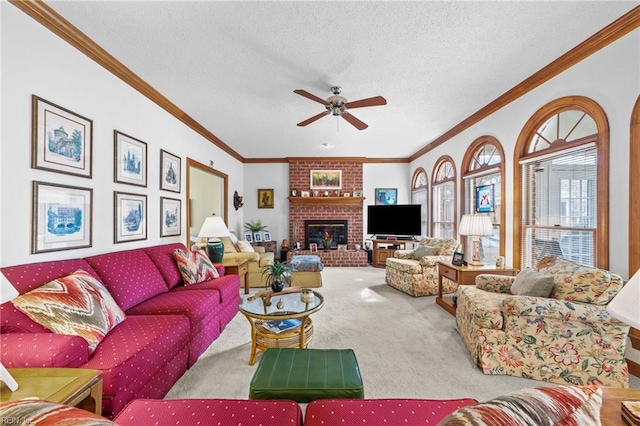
(401,219)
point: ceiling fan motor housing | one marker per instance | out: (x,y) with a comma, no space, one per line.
(336,105)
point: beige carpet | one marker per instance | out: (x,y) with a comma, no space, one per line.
(407,347)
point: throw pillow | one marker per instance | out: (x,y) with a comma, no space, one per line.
(77,304)
(45,413)
(229,245)
(544,406)
(194,266)
(245,247)
(422,251)
(532,283)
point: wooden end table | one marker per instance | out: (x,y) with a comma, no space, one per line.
(464,275)
(238,267)
(611,399)
(76,387)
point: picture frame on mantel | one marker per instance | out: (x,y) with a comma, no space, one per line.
(326,179)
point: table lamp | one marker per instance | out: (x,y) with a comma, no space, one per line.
(626,305)
(7,293)
(212,228)
(475,226)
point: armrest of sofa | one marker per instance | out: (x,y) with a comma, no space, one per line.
(251,256)
(403,254)
(20,350)
(259,249)
(495,283)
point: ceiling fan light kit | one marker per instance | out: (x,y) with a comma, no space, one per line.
(337,106)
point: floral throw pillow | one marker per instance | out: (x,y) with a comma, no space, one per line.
(195,267)
(543,406)
(77,304)
(43,413)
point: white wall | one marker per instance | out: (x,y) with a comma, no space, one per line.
(35,61)
(611,77)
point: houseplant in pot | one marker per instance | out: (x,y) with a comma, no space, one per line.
(276,274)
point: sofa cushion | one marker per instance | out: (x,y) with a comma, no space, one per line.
(77,304)
(445,246)
(580,283)
(484,307)
(45,413)
(46,350)
(340,412)
(130,276)
(422,251)
(27,277)
(162,257)
(210,412)
(532,283)
(195,305)
(229,245)
(227,286)
(409,266)
(543,406)
(194,266)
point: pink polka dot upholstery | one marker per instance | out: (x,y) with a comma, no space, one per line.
(30,350)
(211,412)
(162,257)
(228,287)
(130,276)
(381,412)
(202,309)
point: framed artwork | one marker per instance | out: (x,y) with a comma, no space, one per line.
(313,247)
(170,171)
(170,217)
(130,215)
(265,198)
(257,237)
(305,194)
(458,258)
(357,193)
(248,236)
(130,160)
(61,140)
(61,217)
(326,179)
(294,192)
(484,199)
(386,196)
(266,236)
(342,247)
(346,194)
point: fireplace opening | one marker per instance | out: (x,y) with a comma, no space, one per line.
(314,230)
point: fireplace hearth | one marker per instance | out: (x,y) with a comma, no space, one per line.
(314,230)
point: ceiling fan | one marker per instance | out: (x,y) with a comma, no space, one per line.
(337,105)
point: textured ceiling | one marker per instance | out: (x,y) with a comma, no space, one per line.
(233,65)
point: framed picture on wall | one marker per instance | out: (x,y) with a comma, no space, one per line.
(326,179)
(170,171)
(265,198)
(386,196)
(61,140)
(130,215)
(484,199)
(61,217)
(130,160)
(170,217)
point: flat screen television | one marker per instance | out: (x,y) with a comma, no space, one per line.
(400,220)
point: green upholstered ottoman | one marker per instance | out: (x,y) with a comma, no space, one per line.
(305,375)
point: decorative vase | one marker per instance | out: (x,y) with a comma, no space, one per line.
(277,286)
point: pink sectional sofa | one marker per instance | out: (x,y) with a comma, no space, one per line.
(168,325)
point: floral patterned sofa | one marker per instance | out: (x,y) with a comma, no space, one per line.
(417,275)
(568,338)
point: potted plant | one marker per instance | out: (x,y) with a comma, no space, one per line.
(327,238)
(276,274)
(254,226)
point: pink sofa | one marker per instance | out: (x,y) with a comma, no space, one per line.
(168,325)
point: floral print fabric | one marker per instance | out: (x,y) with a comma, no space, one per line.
(554,340)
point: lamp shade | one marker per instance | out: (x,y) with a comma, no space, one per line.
(213,226)
(7,291)
(476,225)
(626,305)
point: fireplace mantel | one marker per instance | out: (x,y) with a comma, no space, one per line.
(326,201)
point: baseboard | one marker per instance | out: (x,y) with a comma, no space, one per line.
(634,367)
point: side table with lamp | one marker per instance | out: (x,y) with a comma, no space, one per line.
(213,228)
(475,226)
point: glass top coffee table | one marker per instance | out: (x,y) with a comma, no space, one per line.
(271,313)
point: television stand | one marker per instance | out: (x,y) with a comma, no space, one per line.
(383,248)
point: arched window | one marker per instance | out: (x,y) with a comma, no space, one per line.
(561,184)
(443,199)
(419,195)
(483,168)
(634,191)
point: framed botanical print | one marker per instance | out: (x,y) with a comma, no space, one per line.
(170,171)
(265,198)
(130,215)
(130,160)
(61,217)
(61,140)
(170,217)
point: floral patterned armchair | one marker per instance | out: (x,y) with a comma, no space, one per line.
(417,275)
(568,338)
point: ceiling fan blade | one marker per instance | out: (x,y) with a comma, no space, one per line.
(312,119)
(375,101)
(310,96)
(360,125)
